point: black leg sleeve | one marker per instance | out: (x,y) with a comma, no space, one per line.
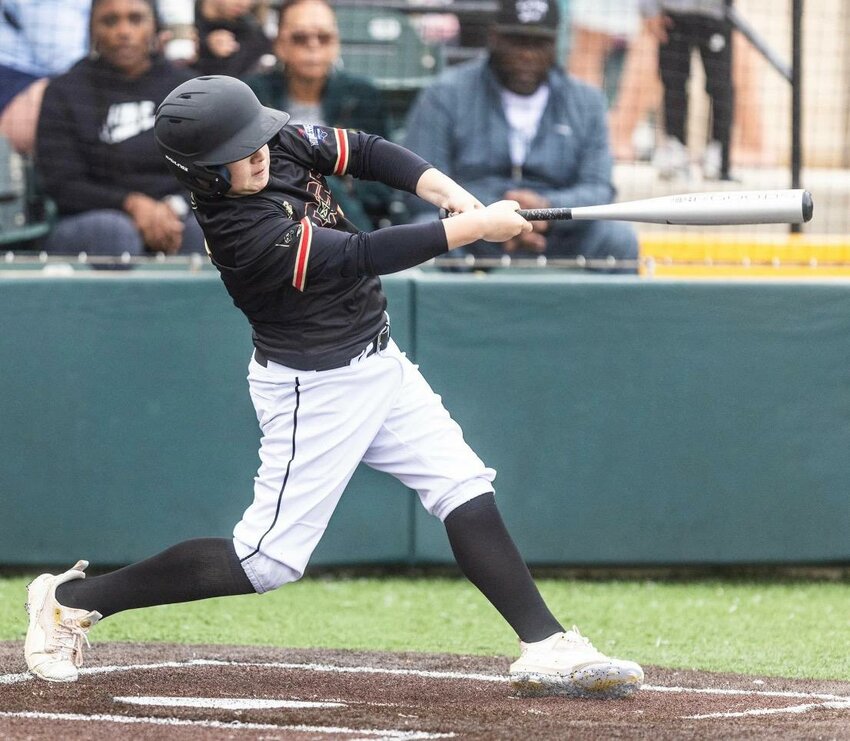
(488,557)
(191,570)
(674,64)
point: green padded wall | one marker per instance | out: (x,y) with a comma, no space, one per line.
(649,421)
(631,421)
(126,425)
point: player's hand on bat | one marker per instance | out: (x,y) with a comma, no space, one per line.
(497,222)
(529,199)
(502,222)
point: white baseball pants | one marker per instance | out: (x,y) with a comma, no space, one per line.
(317,427)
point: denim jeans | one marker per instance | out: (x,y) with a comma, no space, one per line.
(110,232)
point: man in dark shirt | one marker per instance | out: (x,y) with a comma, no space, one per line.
(329,386)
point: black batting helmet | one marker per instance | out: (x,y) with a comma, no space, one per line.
(207,122)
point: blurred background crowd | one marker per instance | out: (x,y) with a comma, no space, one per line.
(549,102)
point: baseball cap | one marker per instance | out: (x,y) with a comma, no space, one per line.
(528,17)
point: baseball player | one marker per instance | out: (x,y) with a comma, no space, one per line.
(329,385)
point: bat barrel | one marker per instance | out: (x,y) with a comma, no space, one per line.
(707,209)
(698,209)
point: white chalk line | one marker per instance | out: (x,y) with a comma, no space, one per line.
(15,678)
(226,703)
(234,725)
(775,711)
(827,700)
(755,693)
(425,673)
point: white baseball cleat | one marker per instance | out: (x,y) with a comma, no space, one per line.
(567,664)
(54,643)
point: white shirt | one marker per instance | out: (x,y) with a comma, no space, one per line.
(523,113)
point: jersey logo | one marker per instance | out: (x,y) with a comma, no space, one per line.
(323,209)
(287,209)
(302,256)
(313,134)
(126,120)
(289,236)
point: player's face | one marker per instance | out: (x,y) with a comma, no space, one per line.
(308,41)
(123,32)
(521,63)
(249,175)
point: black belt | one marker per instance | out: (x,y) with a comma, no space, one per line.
(382,339)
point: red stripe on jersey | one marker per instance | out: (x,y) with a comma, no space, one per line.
(341,152)
(299,277)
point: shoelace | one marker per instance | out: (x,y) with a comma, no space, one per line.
(67,639)
(575,638)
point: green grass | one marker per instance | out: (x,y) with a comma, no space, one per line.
(792,629)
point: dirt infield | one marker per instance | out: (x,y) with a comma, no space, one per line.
(155,691)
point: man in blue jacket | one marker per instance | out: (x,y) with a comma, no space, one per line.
(514,126)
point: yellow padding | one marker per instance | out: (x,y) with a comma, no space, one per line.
(768,255)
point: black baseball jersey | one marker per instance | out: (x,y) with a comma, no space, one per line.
(303,275)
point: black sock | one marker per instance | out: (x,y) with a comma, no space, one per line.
(191,570)
(488,557)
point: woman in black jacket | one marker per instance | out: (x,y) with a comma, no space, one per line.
(95,149)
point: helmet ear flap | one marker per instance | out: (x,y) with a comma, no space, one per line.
(212,181)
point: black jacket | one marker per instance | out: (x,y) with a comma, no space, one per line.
(95,140)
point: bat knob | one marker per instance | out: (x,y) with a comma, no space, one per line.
(808,206)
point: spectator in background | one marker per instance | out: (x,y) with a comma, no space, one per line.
(231,40)
(96,152)
(598,28)
(679,26)
(514,126)
(602,29)
(638,96)
(38,40)
(632,118)
(309,86)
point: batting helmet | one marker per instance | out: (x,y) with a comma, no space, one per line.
(207,122)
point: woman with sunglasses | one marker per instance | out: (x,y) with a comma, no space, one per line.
(308,84)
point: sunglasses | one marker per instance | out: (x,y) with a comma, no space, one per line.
(303,38)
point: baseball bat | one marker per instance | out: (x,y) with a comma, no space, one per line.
(698,209)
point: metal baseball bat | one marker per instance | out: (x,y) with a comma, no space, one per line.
(712,208)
